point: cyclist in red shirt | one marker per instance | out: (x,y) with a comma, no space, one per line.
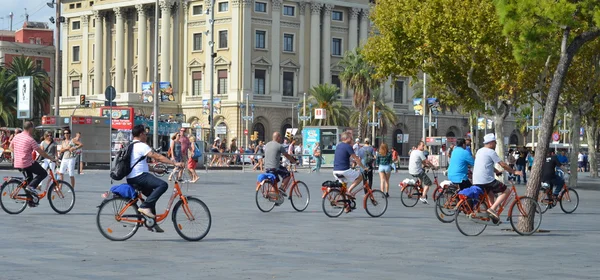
(23,146)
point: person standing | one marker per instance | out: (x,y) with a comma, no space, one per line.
(395,160)
(67,149)
(520,163)
(48,146)
(585,163)
(185,147)
(318,158)
(79,153)
(529,162)
(260,152)
(580,166)
(175,152)
(384,161)
(233,149)
(367,158)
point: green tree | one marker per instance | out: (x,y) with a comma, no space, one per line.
(388,116)
(24,66)
(326,96)
(459,44)
(358,75)
(537,29)
(8,98)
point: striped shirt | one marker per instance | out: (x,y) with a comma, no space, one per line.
(23,147)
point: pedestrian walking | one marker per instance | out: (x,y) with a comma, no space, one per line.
(384,161)
(67,151)
(79,153)
(395,159)
(521,163)
(367,157)
(192,163)
(175,152)
(318,158)
(580,166)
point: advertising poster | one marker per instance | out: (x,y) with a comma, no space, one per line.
(490,124)
(205,107)
(147,90)
(24,98)
(310,136)
(216,106)
(481,123)
(434,105)
(166,91)
(418,106)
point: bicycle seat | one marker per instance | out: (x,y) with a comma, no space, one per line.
(339,176)
(546,185)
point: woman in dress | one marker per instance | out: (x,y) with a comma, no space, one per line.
(193,162)
(384,160)
(175,152)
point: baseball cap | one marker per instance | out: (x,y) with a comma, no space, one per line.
(357,140)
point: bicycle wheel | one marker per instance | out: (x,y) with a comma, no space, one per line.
(333,203)
(444,207)
(569,201)
(544,200)
(299,196)
(520,214)
(14,198)
(437,192)
(61,197)
(265,197)
(468,220)
(410,196)
(159,169)
(116,222)
(193,218)
(376,203)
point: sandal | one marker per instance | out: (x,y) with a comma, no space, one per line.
(493,214)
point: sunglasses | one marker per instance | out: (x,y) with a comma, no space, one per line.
(66,132)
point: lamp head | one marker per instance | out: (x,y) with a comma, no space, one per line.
(50,4)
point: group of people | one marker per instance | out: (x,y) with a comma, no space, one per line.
(182,150)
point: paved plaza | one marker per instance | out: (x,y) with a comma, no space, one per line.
(244,243)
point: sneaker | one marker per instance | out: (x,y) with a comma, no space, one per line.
(282,191)
(146,212)
(493,215)
(31,190)
(387,194)
(156,228)
(423,200)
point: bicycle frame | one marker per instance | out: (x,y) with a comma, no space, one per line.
(344,190)
(159,217)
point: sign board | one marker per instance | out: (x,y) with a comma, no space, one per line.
(166,91)
(110,93)
(24,97)
(581,130)
(122,117)
(320,114)
(147,92)
(555,136)
(418,106)
(245,132)
(221,129)
(401,138)
(48,120)
(186,125)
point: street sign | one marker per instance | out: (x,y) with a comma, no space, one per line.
(24,97)
(245,132)
(320,114)
(555,136)
(110,93)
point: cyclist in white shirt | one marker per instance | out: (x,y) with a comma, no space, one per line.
(140,176)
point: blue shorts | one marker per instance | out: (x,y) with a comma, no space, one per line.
(280,171)
(385,168)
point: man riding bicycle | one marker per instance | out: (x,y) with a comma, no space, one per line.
(23,146)
(417,161)
(148,184)
(551,163)
(272,159)
(341,162)
(483,174)
(459,165)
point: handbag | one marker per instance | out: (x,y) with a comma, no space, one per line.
(197,152)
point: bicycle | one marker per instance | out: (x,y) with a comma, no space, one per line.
(411,190)
(472,219)
(446,203)
(268,195)
(61,194)
(119,213)
(336,198)
(567,195)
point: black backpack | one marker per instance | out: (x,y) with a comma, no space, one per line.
(122,162)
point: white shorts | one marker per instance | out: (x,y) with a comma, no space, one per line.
(350,175)
(67,165)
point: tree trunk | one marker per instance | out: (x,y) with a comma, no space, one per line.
(575,144)
(591,132)
(359,128)
(472,133)
(550,108)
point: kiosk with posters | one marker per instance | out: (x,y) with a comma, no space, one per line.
(122,124)
(327,137)
(438,149)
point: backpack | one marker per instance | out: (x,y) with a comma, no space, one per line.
(368,157)
(197,152)
(122,162)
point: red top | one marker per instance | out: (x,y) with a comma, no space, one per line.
(23,146)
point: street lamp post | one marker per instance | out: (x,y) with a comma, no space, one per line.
(211,67)
(55,4)
(156,82)
(304,118)
(374,124)
(247,117)
(424,102)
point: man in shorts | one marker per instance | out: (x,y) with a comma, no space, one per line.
(273,152)
(341,161)
(417,161)
(68,150)
(484,170)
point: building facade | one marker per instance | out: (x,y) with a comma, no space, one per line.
(267,53)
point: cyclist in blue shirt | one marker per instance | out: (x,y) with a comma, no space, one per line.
(459,165)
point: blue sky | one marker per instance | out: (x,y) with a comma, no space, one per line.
(37,10)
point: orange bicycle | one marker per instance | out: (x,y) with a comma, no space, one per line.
(472,217)
(411,190)
(568,198)
(336,198)
(268,195)
(118,218)
(15,199)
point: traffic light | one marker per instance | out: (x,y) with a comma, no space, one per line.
(82,100)
(254,136)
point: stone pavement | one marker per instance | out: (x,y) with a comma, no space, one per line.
(244,243)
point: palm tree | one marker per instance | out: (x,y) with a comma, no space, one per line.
(358,75)
(8,98)
(388,116)
(24,66)
(326,96)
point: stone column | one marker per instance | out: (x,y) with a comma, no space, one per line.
(207,54)
(98,59)
(353,29)
(234,40)
(327,43)
(186,79)
(120,49)
(276,47)
(315,43)
(247,46)
(142,57)
(66,60)
(301,47)
(364,26)
(165,45)
(85,46)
